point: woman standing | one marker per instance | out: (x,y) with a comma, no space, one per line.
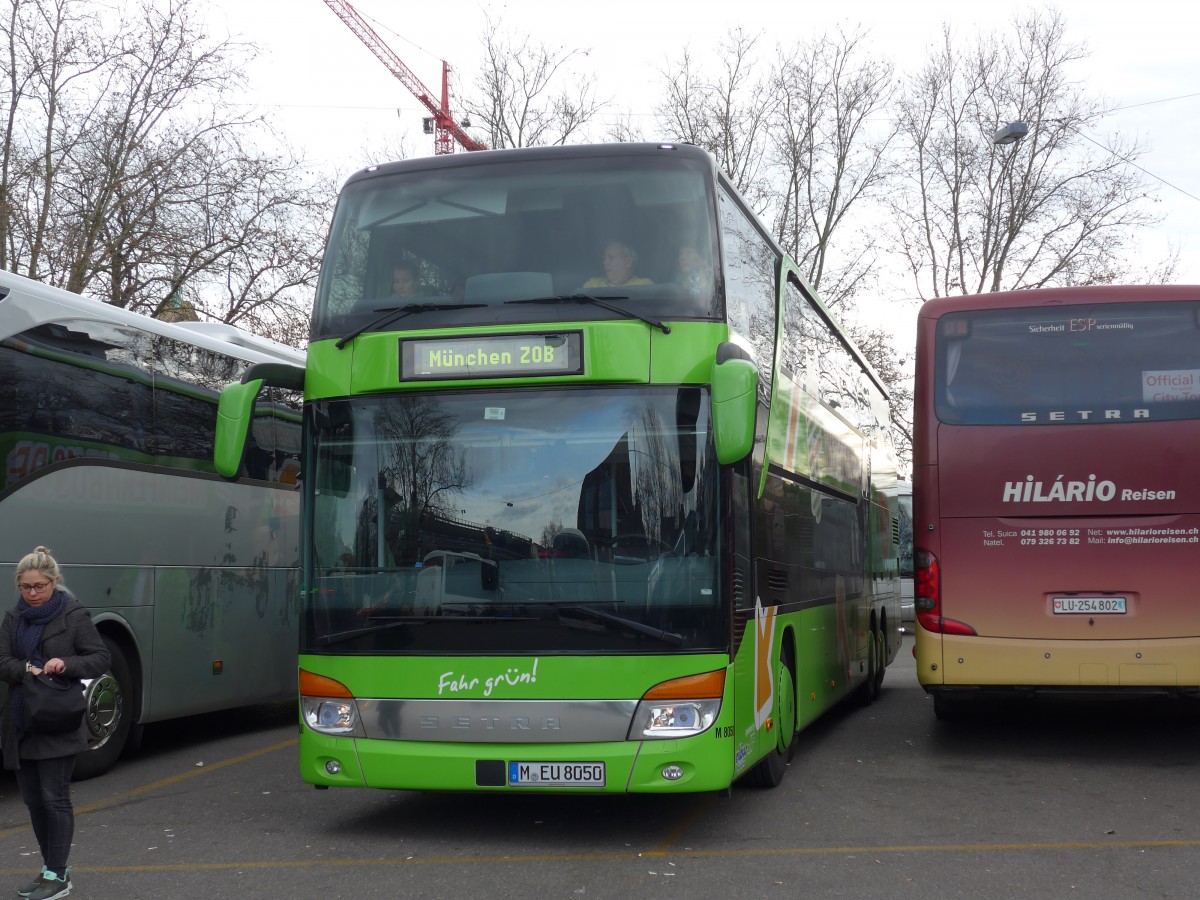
(47,631)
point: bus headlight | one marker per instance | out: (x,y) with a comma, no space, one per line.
(663,720)
(331,716)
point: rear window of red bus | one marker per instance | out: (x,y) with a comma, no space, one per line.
(1086,364)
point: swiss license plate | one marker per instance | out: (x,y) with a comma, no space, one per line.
(1089,606)
(556,774)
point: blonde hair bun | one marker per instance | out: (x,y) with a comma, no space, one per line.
(41,560)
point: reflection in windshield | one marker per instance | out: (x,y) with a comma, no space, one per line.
(495,522)
(904,503)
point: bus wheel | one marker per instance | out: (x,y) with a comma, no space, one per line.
(865,692)
(880,661)
(769,771)
(110,713)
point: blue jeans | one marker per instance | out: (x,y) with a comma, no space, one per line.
(46,789)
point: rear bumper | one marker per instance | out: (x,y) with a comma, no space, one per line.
(948,662)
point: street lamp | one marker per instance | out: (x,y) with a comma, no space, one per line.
(1010,133)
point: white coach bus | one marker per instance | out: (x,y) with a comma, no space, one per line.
(106,437)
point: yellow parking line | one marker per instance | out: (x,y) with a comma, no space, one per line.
(166,782)
(671,838)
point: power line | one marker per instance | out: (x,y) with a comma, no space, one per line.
(1128,161)
(1131,162)
(1153,102)
(1142,168)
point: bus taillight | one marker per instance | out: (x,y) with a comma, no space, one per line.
(927,589)
(927,596)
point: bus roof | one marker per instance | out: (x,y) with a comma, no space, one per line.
(26,304)
(519,154)
(1105,293)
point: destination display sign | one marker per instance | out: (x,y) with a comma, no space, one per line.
(491,356)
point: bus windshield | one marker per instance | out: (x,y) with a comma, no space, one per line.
(474,244)
(525,521)
(1094,364)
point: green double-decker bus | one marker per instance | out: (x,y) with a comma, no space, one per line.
(597,495)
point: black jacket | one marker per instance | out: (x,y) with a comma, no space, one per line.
(73,638)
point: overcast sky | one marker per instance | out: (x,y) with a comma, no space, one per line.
(330,96)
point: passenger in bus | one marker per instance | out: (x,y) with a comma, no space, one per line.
(695,273)
(619,262)
(47,631)
(405,281)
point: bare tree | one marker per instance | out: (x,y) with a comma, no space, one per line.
(625,131)
(831,158)
(128,179)
(803,144)
(271,228)
(518,98)
(728,115)
(50,48)
(1056,208)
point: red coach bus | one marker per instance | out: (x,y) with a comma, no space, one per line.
(1057,492)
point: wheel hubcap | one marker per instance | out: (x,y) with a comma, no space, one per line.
(105,705)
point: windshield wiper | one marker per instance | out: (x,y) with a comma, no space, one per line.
(667,637)
(338,637)
(603,303)
(392,313)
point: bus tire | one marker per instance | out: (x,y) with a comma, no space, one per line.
(768,772)
(865,692)
(881,660)
(110,713)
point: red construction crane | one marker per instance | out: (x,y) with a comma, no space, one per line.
(446,131)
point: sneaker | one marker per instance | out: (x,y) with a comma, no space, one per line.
(33,885)
(51,887)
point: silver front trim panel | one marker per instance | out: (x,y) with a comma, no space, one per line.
(497,721)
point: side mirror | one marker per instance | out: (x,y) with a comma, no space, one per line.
(734,397)
(233,424)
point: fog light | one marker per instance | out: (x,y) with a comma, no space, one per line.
(672,773)
(333,767)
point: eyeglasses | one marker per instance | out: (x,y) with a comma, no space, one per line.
(34,588)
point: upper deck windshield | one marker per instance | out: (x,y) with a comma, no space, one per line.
(479,239)
(1087,364)
(515,522)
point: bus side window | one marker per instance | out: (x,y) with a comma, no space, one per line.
(74,392)
(750,264)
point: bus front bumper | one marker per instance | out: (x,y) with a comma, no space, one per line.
(701,763)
